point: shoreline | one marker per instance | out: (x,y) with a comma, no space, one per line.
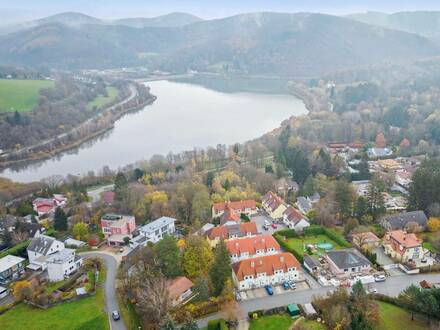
(37,156)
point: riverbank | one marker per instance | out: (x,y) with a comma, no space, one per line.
(107,119)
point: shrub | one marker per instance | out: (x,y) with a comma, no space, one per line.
(289,233)
(283,244)
(219,324)
(17,250)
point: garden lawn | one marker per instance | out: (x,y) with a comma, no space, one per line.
(396,318)
(311,325)
(273,322)
(298,244)
(21,95)
(102,100)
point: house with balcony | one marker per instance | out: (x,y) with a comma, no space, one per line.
(11,268)
(116,227)
(39,250)
(403,246)
(230,230)
(62,264)
(266,270)
(154,231)
(294,219)
(274,205)
(248,207)
(251,247)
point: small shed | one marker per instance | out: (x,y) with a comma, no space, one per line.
(293,309)
(309,310)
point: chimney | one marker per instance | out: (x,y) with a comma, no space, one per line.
(252,264)
(282,258)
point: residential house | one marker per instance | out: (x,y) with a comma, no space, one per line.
(366,240)
(61,264)
(260,271)
(229,215)
(347,262)
(44,206)
(389,165)
(379,152)
(361,187)
(294,219)
(274,205)
(403,246)
(402,220)
(116,227)
(179,290)
(39,250)
(11,268)
(250,247)
(230,231)
(248,207)
(154,231)
(108,197)
(311,264)
(304,204)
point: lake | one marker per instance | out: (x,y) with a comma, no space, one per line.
(185,115)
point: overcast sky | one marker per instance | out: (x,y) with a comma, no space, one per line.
(30,9)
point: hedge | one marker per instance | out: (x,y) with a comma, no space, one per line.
(17,250)
(319,230)
(280,240)
(289,233)
(219,324)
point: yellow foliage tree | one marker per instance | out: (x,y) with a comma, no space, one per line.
(21,290)
(434,224)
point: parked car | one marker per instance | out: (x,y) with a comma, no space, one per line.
(237,296)
(292,285)
(286,286)
(269,290)
(115,315)
(380,278)
(274,226)
(424,260)
(373,290)
(265,227)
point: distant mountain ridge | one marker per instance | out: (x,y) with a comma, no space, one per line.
(300,44)
(425,23)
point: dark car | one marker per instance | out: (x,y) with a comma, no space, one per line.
(115,315)
(269,289)
(286,286)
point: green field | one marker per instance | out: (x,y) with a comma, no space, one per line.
(21,95)
(86,313)
(396,318)
(101,100)
(298,244)
(273,322)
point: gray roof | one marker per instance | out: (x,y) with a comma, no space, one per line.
(400,220)
(311,262)
(41,244)
(157,224)
(62,256)
(348,258)
(304,203)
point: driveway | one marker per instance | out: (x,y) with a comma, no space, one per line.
(259,221)
(391,287)
(111,303)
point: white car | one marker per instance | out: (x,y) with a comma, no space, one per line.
(380,278)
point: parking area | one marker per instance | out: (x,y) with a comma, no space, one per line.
(277,290)
(260,219)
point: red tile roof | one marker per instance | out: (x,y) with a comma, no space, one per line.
(178,286)
(252,244)
(236,206)
(399,238)
(229,215)
(366,237)
(222,232)
(266,264)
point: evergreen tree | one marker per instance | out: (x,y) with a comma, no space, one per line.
(189,325)
(344,198)
(121,184)
(201,287)
(361,208)
(221,269)
(168,255)
(376,203)
(60,220)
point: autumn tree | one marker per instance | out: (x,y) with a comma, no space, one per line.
(433,224)
(22,290)
(80,231)
(197,257)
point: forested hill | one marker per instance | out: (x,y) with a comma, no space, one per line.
(260,43)
(424,23)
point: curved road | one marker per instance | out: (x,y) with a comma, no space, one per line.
(111,302)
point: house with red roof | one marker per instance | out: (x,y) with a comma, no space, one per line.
(248,207)
(260,271)
(179,290)
(250,247)
(229,215)
(231,230)
(403,246)
(294,219)
(45,206)
(274,205)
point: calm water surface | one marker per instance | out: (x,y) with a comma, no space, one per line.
(184,116)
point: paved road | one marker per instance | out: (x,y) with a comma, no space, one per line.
(111,302)
(392,287)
